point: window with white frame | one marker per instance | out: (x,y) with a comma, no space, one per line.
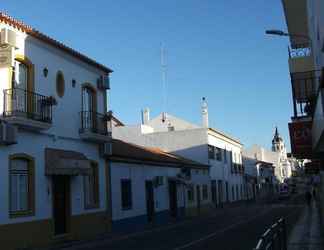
(21,185)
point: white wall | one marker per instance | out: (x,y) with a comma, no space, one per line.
(191,144)
(66,117)
(138,175)
(178,124)
(34,145)
(64,132)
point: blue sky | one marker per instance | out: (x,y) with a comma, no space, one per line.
(215,49)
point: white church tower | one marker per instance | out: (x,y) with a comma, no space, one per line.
(278,146)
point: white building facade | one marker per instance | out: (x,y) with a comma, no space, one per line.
(149,186)
(202,144)
(53,177)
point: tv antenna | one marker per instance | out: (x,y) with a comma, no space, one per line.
(164,82)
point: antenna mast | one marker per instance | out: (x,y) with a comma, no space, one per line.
(164,90)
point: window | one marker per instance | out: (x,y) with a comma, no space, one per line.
(231,161)
(233,193)
(241,191)
(88,99)
(21,185)
(20,75)
(191,197)
(20,81)
(91,187)
(205,192)
(126,194)
(214,191)
(60,84)
(218,154)
(237,192)
(211,152)
(225,155)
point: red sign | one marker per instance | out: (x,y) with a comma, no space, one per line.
(301,139)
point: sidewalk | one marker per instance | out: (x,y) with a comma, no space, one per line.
(306,234)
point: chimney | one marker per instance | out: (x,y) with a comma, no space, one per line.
(204,110)
(145,116)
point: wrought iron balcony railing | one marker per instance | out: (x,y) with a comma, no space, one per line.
(94,122)
(304,88)
(26,104)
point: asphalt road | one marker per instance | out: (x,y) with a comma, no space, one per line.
(237,228)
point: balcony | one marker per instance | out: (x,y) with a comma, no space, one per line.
(94,127)
(296,17)
(304,89)
(27,110)
(301,58)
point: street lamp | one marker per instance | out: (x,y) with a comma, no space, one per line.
(276,33)
(282,33)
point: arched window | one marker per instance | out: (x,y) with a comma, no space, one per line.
(89,102)
(88,98)
(21,185)
(22,84)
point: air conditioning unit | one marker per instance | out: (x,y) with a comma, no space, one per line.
(103,82)
(8,37)
(6,56)
(8,134)
(106,149)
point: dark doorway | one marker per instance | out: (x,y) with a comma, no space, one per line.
(173,198)
(198,197)
(149,200)
(61,203)
(214,192)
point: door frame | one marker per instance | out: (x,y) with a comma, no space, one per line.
(68,207)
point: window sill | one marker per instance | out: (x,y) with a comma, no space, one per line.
(18,214)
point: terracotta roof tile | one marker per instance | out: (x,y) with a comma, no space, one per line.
(132,151)
(37,34)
